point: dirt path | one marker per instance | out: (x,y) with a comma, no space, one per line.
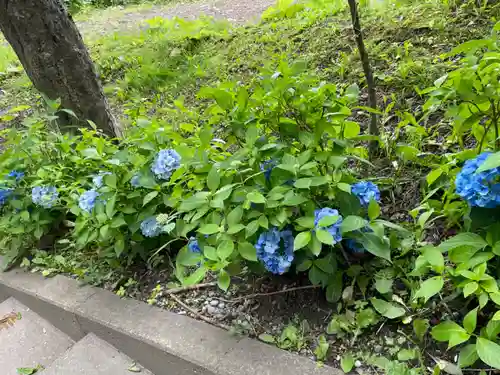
(123,19)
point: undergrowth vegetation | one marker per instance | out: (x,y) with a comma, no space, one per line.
(245,153)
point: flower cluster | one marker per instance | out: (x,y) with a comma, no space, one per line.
(97,180)
(333,229)
(88,200)
(479,189)
(275,250)
(4,195)
(366,191)
(165,163)
(150,227)
(267,167)
(134,181)
(44,196)
(17,175)
(354,246)
(194,246)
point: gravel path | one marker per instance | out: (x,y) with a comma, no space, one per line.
(123,19)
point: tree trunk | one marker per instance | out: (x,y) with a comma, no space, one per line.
(372,96)
(52,52)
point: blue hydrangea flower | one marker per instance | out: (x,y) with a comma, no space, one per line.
(165,163)
(275,250)
(134,181)
(366,191)
(18,175)
(44,196)
(267,167)
(5,195)
(354,246)
(88,200)
(98,180)
(150,227)
(193,245)
(333,229)
(479,189)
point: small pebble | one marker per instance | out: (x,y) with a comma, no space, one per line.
(211,310)
(357,363)
(377,348)
(222,305)
(182,312)
(214,302)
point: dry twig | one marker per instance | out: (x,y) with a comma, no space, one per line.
(249,296)
(183,289)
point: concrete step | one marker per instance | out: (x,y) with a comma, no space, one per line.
(30,341)
(93,356)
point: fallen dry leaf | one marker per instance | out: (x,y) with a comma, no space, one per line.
(8,320)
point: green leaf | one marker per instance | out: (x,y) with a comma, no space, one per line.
(210,252)
(435,258)
(328,221)
(351,130)
(303,183)
(91,153)
(334,288)
(376,245)
(407,354)
(213,179)
(196,277)
(470,321)
(294,200)
(118,222)
(306,222)
(209,229)
(429,288)
(301,240)
(468,356)
(252,227)
(373,210)
(265,337)
(225,249)
(383,285)
(461,239)
(387,309)
(247,251)
(347,362)
(149,197)
(235,215)
(420,327)
(488,352)
(256,197)
(110,206)
(110,180)
(235,228)
(433,176)
(263,222)
(352,223)
(470,288)
(103,231)
(492,161)
(451,332)
(27,370)
(223,280)
(324,237)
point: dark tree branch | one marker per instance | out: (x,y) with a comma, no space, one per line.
(372,95)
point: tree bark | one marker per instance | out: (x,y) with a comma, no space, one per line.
(372,95)
(53,54)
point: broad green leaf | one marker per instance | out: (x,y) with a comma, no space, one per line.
(225,249)
(492,161)
(351,130)
(470,288)
(383,285)
(435,258)
(251,228)
(247,251)
(110,206)
(375,245)
(235,228)
(223,280)
(496,316)
(468,356)
(387,309)
(373,210)
(334,288)
(352,223)
(303,183)
(294,200)
(306,222)
(110,180)
(209,229)
(461,239)
(324,237)
(328,221)
(263,222)
(210,253)
(434,175)
(470,321)
(235,215)
(420,327)
(347,362)
(301,240)
(149,197)
(429,288)
(196,277)
(265,337)
(488,352)
(407,354)
(213,179)
(451,332)
(256,197)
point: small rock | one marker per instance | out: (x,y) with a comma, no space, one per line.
(211,293)
(211,310)
(182,312)
(214,303)
(389,341)
(204,309)
(401,340)
(222,305)
(357,363)
(377,348)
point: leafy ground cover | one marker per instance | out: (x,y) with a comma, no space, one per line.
(244,180)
